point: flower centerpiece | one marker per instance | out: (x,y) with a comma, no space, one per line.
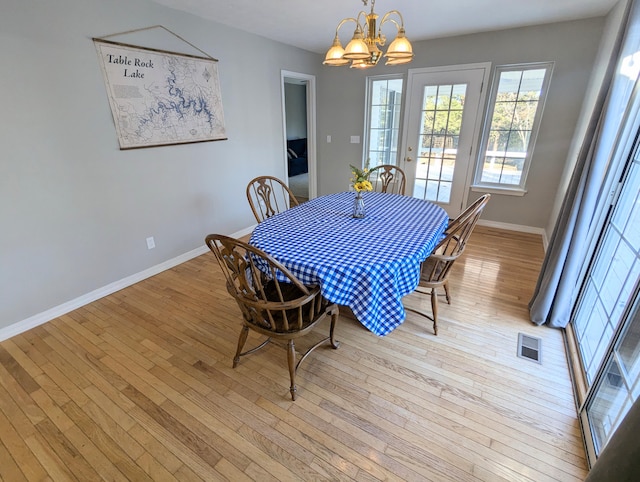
(360,182)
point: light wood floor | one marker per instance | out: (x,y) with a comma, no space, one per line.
(139,386)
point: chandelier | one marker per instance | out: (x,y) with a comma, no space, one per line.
(362,51)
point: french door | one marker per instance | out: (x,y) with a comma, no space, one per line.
(442,119)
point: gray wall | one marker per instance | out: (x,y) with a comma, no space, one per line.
(296,110)
(74,209)
(572,45)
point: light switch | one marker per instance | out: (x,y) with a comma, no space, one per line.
(355,139)
(328,139)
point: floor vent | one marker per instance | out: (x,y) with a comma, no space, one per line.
(530,348)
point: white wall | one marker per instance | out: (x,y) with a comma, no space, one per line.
(74,209)
(572,45)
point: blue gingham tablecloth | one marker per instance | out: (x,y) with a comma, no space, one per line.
(366,264)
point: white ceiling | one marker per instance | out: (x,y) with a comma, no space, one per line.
(311,24)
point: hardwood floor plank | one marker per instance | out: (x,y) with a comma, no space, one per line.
(337,445)
(161,452)
(94,456)
(16,444)
(54,466)
(19,369)
(153,468)
(9,469)
(192,441)
(139,385)
(77,467)
(112,449)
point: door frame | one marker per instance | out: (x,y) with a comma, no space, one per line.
(477,124)
(310,81)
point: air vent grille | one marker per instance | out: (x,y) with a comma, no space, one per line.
(530,348)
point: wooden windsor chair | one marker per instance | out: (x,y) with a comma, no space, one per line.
(435,269)
(272,300)
(388,178)
(268,195)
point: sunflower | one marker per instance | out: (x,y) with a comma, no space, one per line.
(360,178)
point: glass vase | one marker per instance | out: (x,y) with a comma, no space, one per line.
(358,206)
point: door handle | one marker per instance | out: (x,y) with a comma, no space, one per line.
(408,159)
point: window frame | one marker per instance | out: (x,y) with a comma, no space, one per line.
(368,118)
(504,188)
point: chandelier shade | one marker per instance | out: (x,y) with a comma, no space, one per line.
(362,51)
(335,55)
(356,49)
(400,48)
(399,61)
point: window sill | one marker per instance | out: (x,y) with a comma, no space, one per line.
(507,191)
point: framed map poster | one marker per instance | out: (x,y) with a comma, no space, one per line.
(161,98)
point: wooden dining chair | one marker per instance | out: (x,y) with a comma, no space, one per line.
(268,195)
(482,200)
(388,178)
(435,269)
(272,300)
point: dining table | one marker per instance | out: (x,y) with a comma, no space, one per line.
(366,264)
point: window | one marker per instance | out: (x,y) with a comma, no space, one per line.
(515,108)
(384,99)
(606,322)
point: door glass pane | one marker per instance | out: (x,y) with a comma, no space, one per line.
(610,289)
(441,121)
(617,389)
(384,121)
(629,349)
(611,279)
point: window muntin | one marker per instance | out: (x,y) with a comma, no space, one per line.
(511,126)
(440,124)
(384,101)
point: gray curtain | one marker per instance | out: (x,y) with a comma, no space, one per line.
(552,301)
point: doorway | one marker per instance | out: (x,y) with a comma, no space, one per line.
(443,117)
(298,109)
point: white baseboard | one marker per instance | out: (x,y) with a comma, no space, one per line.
(55,312)
(517,227)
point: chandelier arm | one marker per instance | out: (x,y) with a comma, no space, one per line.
(351,19)
(387,19)
(345,20)
(361,13)
(398,26)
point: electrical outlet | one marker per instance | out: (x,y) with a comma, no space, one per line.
(355,139)
(151,242)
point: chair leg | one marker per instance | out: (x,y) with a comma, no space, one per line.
(434,310)
(334,317)
(291,358)
(241,341)
(446,291)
